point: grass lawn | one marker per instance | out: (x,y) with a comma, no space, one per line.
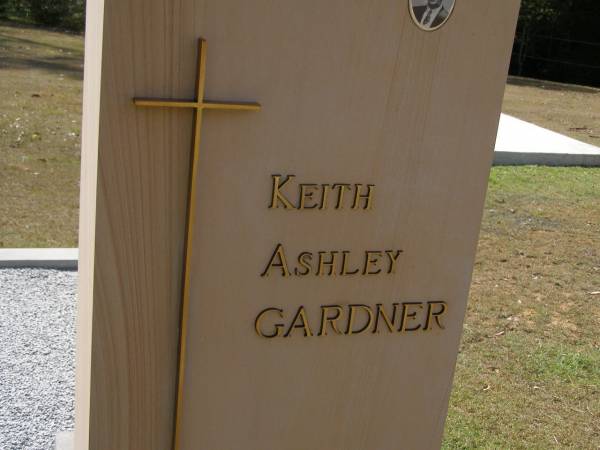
(40,120)
(528,373)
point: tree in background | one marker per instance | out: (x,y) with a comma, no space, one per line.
(65,14)
(535,17)
(558,40)
(6,8)
(69,14)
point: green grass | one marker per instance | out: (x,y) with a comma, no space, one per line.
(565,364)
(40,121)
(528,372)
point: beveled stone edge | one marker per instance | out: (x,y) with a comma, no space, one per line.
(39,258)
(506,158)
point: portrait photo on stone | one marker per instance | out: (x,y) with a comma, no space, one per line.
(429,15)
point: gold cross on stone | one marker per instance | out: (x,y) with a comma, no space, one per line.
(198,105)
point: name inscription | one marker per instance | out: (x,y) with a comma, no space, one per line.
(320,196)
(332,263)
(353,319)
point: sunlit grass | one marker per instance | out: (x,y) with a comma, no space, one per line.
(528,374)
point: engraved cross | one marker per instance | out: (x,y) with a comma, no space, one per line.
(199,104)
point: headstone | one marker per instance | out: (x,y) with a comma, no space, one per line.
(279,215)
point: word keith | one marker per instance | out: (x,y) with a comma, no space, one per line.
(332,263)
(352,319)
(321,196)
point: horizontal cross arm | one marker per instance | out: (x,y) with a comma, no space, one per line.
(240,106)
(160,103)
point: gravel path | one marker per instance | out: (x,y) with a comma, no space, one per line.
(37,356)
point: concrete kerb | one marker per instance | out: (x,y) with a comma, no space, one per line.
(39,258)
(519,142)
(64,441)
(516,158)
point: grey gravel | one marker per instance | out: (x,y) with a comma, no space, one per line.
(37,356)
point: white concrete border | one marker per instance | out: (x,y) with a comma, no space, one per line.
(520,142)
(65,440)
(39,258)
(545,159)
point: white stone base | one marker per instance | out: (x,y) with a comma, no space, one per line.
(520,142)
(39,258)
(65,440)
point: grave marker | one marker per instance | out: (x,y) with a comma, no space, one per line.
(301,281)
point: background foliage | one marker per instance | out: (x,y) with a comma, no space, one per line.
(556,40)
(64,14)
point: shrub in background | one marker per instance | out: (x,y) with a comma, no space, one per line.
(68,14)
(558,40)
(65,14)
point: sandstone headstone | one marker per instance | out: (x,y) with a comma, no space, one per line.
(292,276)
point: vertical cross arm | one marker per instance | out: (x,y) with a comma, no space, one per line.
(198,105)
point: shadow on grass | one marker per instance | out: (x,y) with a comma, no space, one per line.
(58,64)
(21,53)
(26,24)
(551,85)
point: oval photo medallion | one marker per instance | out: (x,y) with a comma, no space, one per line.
(429,15)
